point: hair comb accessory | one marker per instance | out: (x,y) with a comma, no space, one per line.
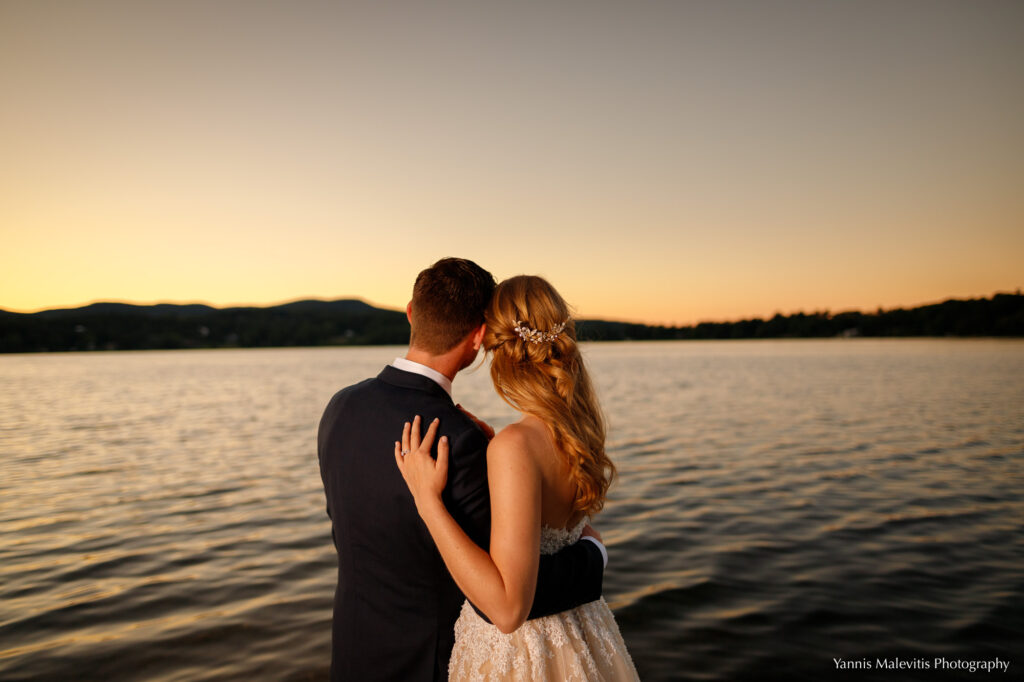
(537,335)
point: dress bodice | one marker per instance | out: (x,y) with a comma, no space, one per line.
(554,539)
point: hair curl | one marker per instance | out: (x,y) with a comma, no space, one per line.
(549,380)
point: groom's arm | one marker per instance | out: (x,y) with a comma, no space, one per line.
(569,578)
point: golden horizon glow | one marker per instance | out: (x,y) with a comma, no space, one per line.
(659,163)
(400,307)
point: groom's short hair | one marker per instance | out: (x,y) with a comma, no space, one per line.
(448,301)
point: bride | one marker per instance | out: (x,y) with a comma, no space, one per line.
(546,473)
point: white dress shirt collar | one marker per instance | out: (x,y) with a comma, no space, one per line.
(416,368)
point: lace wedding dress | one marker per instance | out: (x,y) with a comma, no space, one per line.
(579,645)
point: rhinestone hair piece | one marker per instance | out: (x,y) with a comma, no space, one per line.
(537,335)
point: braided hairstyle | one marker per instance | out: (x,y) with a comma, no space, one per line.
(546,377)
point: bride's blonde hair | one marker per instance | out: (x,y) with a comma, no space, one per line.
(537,368)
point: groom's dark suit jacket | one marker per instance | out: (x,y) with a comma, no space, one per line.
(396,604)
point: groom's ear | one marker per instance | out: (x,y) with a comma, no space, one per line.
(478,336)
(408,311)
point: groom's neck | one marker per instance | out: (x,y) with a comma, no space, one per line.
(447,364)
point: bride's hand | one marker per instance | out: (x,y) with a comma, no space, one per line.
(424,476)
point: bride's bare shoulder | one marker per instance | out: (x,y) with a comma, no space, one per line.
(514,441)
(526,440)
(513,436)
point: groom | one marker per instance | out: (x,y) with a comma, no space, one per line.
(395,604)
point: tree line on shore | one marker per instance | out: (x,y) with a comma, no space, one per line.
(119,326)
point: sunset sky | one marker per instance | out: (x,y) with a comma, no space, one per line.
(665,162)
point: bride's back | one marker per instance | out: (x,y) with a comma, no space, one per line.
(558,490)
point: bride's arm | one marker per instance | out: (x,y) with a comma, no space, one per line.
(502,583)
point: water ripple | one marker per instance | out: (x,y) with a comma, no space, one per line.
(779,504)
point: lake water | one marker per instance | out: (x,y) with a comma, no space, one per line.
(781,504)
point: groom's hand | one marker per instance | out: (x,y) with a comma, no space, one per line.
(484,426)
(590,532)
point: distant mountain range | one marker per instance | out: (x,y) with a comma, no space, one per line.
(350,322)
